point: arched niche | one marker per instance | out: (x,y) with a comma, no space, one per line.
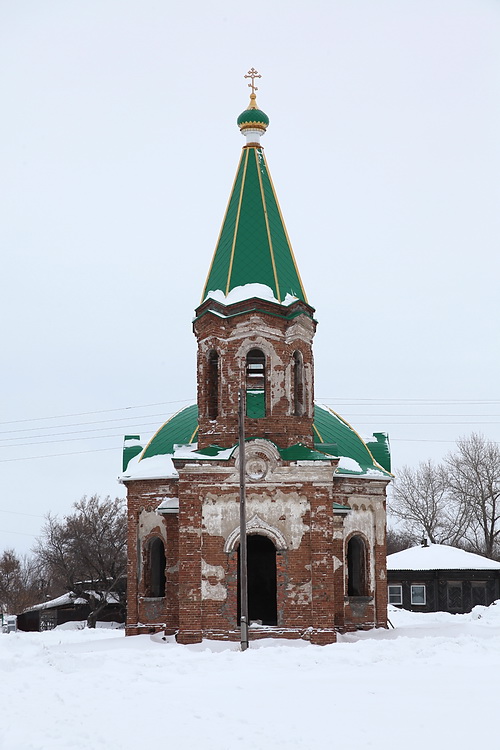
(256,525)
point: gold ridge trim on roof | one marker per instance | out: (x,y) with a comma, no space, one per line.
(143,452)
(205,290)
(236,224)
(278,295)
(318,433)
(286,233)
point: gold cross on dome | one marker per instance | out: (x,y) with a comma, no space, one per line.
(252,73)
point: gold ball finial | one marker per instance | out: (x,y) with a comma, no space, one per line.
(253,121)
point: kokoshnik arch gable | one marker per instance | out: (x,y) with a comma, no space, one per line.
(315,490)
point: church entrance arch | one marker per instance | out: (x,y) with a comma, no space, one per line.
(262,590)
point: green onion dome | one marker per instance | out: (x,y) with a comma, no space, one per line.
(253,118)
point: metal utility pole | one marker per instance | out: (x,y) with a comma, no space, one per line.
(243,526)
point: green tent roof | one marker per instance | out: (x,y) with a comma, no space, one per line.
(253,245)
(333,436)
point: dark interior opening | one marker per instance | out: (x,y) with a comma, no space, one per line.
(298,384)
(256,384)
(356,567)
(213,385)
(261,566)
(157,563)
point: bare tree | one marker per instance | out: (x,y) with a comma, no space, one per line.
(398,540)
(420,502)
(20,582)
(86,552)
(473,484)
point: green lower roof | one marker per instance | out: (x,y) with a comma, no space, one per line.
(332,434)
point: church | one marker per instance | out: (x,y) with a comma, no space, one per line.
(315,490)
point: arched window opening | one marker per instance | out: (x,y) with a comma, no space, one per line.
(356,567)
(213,385)
(156,568)
(298,384)
(261,579)
(255,384)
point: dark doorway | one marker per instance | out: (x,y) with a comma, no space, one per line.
(261,563)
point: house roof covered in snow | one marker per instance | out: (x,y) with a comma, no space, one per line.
(334,438)
(439,557)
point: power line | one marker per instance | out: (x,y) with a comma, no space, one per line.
(18,513)
(389,416)
(75,432)
(165,416)
(358,424)
(400,401)
(57,455)
(340,400)
(429,440)
(116,448)
(77,424)
(98,411)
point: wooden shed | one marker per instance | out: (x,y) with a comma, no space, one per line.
(66,608)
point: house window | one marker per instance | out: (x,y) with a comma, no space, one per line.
(256,384)
(298,384)
(418,594)
(356,567)
(156,568)
(395,594)
(213,385)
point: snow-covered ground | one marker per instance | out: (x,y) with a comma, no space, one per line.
(432,682)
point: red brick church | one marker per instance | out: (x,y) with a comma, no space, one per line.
(316,492)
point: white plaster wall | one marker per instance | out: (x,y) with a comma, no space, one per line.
(301,594)
(285,512)
(214,591)
(148,520)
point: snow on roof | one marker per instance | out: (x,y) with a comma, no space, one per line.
(248,291)
(155,467)
(60,601)
(439,557)
(190,451)
(72,598)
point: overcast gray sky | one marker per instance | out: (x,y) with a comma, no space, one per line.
(118,147)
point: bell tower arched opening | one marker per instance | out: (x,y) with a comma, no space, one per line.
(213,385)
(298,384)
(255,384)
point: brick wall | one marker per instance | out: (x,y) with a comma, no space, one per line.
(264,327)
(201,572)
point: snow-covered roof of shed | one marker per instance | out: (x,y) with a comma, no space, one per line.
(439,557)
(71,598)
(60,601)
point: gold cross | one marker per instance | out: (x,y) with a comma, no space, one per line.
(252,73)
